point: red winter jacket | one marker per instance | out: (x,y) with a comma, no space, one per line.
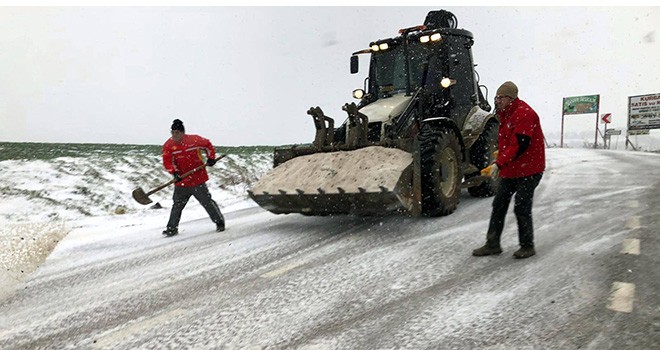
(520,119)
(186,155)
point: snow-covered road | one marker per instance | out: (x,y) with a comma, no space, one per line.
(352,283)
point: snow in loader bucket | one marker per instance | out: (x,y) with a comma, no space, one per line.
(367,181)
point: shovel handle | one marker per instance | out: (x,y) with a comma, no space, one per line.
(186,174)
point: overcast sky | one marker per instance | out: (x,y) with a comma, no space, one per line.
(247,75)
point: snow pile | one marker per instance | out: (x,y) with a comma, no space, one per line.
(23,248)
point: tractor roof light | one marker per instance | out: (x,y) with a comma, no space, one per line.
(382,45)
(447,82)
(430,37)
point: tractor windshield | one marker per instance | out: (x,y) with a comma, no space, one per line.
(389,69)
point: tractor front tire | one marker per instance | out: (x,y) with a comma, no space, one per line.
(441,173)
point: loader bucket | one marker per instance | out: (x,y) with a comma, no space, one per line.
(368,181)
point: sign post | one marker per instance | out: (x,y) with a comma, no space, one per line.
(608,136)
(606,118)
(580,105)
(643,114)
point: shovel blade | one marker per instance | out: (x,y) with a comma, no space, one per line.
(474,181)
(140,196)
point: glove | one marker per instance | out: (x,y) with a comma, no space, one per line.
(176,176)
(492,170)
(211,161)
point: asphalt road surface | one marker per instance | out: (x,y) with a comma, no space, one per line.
(369,283)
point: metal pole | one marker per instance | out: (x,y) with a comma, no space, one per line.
(628,126)
(561,142)
(597,114)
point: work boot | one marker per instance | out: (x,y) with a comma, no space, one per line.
(487,250)
(524,252)
(169,232)
(220,227)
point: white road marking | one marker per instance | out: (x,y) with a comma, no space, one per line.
(621,297)
(111,339)
(633,204)
(632,222)
(630,246)
(282,270)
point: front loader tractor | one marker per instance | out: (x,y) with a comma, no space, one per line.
(420,132)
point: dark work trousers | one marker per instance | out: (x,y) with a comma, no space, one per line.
(202,194)
(524,188)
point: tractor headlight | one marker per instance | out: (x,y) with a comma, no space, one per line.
(374,47)
(358,93)
(384,46)
(436,37)
(424,39)
(446,82)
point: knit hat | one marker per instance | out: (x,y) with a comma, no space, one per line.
(178,125)
(508,89)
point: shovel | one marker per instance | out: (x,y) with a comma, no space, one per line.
(143,198)
(475,181)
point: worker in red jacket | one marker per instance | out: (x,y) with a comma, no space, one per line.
(519,165)
(183,153)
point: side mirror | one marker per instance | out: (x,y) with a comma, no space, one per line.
(354,64)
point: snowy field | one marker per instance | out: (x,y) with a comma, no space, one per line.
(51,182)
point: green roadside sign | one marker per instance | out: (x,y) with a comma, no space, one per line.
(581,104)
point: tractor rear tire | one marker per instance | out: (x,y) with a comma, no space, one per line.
(481,156)
(441,172)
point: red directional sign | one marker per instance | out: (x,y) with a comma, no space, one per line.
(606,118)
